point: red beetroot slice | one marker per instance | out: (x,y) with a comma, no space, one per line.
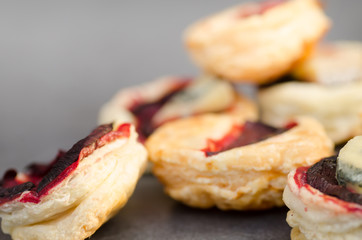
(322,176)
(259,8)
(238,136)
(36,171)
(41,178)
(10,186)
(144,112)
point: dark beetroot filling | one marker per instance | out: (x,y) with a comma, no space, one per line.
(41,177)
(322,176)
(144,112)
(259,8)
(238,136)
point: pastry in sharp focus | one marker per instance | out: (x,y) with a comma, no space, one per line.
(216,160)
(75,194)
(256,42)
(150,105)
(332,63)
(337,107)
(325,200)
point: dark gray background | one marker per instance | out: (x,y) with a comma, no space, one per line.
(61,60)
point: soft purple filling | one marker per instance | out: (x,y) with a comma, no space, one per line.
(238,136)
(144,112)
(322,176)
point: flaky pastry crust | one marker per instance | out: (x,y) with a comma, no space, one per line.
(337,107)
(314,215)
(260,47)
(75,208)
(248,177)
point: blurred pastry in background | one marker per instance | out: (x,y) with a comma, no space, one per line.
(152,104)
(76,193)
(217,160)
(334,95)
(337,107)
(325,200)
(256,42)
(332,63)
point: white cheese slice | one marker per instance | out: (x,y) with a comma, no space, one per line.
(349,164)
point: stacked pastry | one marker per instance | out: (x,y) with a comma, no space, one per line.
(210,160)
(204,138)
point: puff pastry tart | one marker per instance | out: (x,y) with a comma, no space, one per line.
(337,107)
(75,194)
(150,105)
(332,63)
(256,42)
(216,160)
(325,200)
